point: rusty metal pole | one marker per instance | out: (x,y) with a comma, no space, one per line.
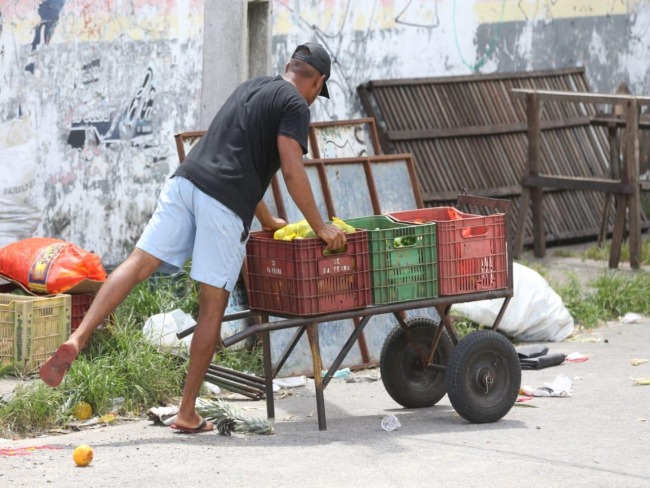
(312,334)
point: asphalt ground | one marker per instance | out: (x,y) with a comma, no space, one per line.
(597,437)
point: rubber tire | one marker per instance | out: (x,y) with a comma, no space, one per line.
(483,350)
(401,372)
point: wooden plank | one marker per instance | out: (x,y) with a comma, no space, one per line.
(495,192)
(634,200)
(522,217)
(484,130)
(534,162)
(579,97)
(577,183)
(617,233)
(610,120)
(474,78)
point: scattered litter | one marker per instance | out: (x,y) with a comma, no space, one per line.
(527,405)
(213,389)
(641,381)
(163,415)
(96,422)
(577,378)
(284,394)
(363,378)
(542,362)
(341,373)
(584,338)
(292,382)
(559,387)
(631,318)
(637,361)
(641,419)
(523,397)
(390,423)
(576,357)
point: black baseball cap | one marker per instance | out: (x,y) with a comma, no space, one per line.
(315,55)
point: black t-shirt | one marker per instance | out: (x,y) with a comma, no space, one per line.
(236,159)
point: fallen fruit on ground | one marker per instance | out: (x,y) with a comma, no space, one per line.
(82,455)
(82,411)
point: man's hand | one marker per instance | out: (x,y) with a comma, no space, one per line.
(274,224)
(333,236)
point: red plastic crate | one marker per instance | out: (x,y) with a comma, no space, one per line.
(472,249)
(80,305)
(299,278)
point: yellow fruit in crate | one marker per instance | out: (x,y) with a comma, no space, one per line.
(82,411)
(347,228)
(82,455)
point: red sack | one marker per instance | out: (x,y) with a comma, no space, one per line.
(45,265)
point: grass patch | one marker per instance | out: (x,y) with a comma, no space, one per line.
(601,253)
(564,253)
(118,362)
(610,296)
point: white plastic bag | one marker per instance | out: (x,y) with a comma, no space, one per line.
(535,313)
(161,328)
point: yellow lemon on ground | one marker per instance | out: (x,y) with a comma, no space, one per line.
(82,455)
(82,411)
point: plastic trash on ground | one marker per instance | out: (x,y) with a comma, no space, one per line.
(161,328)
(561,386)
(632,318)
(536,313)
(291,382)
(390,423)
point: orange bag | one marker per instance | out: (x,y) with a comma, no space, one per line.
(45,265)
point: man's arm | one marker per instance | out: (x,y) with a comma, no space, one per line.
(299,188)
(268,221)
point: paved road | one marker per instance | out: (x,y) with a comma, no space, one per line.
(599,437)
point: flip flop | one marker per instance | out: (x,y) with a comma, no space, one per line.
(55,368)
(202,427)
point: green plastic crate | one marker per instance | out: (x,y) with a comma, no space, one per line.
(403,259)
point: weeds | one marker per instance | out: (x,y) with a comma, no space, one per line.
(613,294)
(601,253)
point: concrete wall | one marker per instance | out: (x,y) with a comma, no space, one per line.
(372,39)
(98,88)
(92,92)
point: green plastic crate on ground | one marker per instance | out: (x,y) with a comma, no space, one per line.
(32,328)
(403,259)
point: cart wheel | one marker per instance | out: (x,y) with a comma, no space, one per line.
(483,377)
(406,379)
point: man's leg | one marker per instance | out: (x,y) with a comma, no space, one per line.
(137,267)
(207,334)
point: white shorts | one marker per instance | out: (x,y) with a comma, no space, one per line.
(187,222)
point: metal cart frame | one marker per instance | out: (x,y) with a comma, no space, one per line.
(248,383)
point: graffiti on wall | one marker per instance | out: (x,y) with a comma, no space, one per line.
(383,39)
(100,86)
(132,123)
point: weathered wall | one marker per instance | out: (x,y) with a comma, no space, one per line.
(92,92)
(99,89)
(378,39)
